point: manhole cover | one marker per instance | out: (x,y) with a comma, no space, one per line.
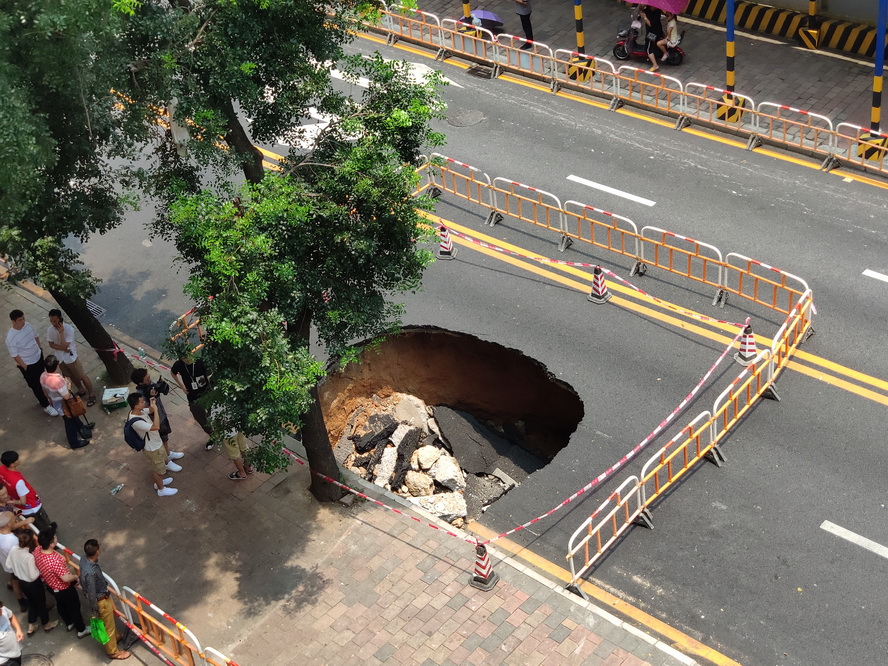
(480,72)
(36,660)
(465,117)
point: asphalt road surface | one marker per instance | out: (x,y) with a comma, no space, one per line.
(744,557)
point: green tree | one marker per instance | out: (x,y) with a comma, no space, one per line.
(326,243)
(57,135)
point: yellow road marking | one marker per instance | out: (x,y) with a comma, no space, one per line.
(680,640)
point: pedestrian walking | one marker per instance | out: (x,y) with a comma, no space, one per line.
(21,492)
(11,638)
(192,377)
(98,596)
(235,446)
(8,541)
(24,347)
(58,388)
(523,10)
(149,389)
(145,420)
(60,336)
(58,577)
(21,562)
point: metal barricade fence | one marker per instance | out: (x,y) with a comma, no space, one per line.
(184,325)
(674,464)
(537,61)
(526,203)
(413,25)
(773,288)
(424,173)
(861,146)
(469,183)
(213,657)
(701,105)
(602,229)
(691,263)
(172,639)
(737,399)
(795,330)
(795,127)
(650,89)
(625,508)
(473,42)
(599,77)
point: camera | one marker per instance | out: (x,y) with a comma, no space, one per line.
(160,387)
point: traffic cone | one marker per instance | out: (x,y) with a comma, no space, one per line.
(485,577)
(747,347)
(446,249)
(599,293)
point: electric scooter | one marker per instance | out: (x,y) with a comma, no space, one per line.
(627,47)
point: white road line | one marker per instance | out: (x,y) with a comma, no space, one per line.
(877,276)
(611,190)
(360,81)
(856,539)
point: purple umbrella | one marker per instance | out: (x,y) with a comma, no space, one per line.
(486,19)
(671,6)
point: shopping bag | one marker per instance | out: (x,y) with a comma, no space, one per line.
(97,630)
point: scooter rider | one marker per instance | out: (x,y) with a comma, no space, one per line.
(653,21)
(672,38)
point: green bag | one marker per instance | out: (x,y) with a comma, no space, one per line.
(97,630)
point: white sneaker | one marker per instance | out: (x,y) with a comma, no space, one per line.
(167,481)
(663,59)
(52,411)
(173,467)
(166,492)
(175,455)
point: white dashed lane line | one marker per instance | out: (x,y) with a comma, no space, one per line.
(611,190)
(875,275)
(854,538)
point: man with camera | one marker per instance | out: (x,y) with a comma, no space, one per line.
(149,389)
(191,376)
(146,421)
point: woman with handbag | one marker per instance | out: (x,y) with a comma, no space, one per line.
(58,577)
(21,563)
(58,391)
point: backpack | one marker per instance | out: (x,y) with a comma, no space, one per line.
(130,435)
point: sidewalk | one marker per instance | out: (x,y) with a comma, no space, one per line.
(266,575)
(767,69)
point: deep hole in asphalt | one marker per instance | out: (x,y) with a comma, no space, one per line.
(500,413)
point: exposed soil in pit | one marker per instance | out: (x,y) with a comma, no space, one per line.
(502,386)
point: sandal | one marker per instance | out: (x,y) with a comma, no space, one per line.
(90,401)
(31,629)
(49,627)
(234,476)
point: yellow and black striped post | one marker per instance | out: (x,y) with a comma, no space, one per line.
(730,108)
(580,67)
(809,36)
(874,148)
(466,27)
(467,13)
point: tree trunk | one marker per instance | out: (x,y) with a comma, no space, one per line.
(240,143)
(118,365)
(315,437)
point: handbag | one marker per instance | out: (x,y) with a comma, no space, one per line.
(97,630)
(73,406)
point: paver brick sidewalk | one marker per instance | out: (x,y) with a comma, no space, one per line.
(263,573)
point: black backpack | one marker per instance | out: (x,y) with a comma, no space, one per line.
(133,438)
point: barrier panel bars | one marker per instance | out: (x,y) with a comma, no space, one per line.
(701,106)
(598,77)
(215,658)
(578,217)
(479,44)
(730,406)
(690,259)
(520,200)
(158,631)
(473,186)
(652,94)
(794,331)
(186,323)
(611,519)
(753,286)
(802,133)
(658,462)
(536,61)
(861,146)
(424,171)
(426,29)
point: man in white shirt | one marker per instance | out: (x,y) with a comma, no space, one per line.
(24,347)
(146,423)
(60,336)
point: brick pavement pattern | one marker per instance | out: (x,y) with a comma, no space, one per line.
(838,88)
(263,573)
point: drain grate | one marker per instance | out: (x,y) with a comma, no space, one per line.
(96,310)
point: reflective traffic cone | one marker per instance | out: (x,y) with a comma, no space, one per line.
(446,249)
(599,293)
(485,577)
(747,347)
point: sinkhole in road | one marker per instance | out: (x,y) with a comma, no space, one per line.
(499,413)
